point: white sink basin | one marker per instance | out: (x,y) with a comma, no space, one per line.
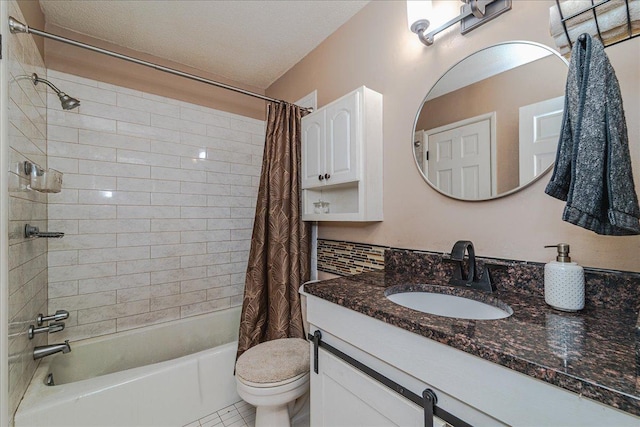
(449,305)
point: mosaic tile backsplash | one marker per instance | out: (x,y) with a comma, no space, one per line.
(348,258)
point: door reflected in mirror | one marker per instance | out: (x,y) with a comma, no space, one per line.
(490,125)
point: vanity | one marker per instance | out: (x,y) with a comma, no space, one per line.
(538,366)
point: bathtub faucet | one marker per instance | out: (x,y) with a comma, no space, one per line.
(47,350)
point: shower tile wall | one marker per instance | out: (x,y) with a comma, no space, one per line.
(157,205)
(27,257)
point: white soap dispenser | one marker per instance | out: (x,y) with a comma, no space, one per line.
(563,281)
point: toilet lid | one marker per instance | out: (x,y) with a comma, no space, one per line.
(274,361)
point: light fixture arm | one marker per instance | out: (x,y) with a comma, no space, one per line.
(471,10)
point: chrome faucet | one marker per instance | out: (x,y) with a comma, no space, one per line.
(470,279)
(47,350)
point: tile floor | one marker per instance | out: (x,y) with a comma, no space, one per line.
(240,414)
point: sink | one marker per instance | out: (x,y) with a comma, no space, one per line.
(431,299)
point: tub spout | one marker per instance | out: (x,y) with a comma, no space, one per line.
(47,350)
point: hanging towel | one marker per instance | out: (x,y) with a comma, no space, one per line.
(593,165)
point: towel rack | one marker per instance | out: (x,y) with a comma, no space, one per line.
(593,10)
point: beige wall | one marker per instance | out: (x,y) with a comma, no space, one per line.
(375,49)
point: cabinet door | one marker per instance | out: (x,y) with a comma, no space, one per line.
(342,140)
(313,149)
(343,396)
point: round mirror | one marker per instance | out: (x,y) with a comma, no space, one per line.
(490,125)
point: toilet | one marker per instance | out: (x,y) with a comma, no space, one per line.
(274,376)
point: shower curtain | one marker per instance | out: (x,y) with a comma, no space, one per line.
(279,257)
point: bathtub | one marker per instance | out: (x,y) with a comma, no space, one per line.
(163,375)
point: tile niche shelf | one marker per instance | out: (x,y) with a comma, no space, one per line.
(342,159)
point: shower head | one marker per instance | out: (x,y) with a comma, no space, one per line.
(68,102)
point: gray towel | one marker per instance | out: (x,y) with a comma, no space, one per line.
(593,165)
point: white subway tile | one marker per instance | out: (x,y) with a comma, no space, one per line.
(100,314)
(178,149)
(204,259)
(67,196)
(88,271)
(61,133)
(165,289)
(150,185)
(178,124)
(80,121)
(164,251)
(228,134)
(148,212)
(148,265)
(62,289)
(151,159)
(178,224)
(160,303)
(229,224)
(112,283)
(152,106)
(225,178)
(178,174)
(83,241)
(110,226)
(231,201)
(204,165)
(204,236)
(81,212)
(204,307)
(229,157)
(144,131)
(66,226)
(142,293)
(208,189)
(90,256)
(96,197)
(80,302)
(166,199)
(253,126)
(169,276)
(114,169)
(208,118)
(200,212)
(112,140)
(89,330)
(225,291)
(116,113)
(63,165)
(146,239)
(82,152)
(60,258)
(151,318)
(89,182)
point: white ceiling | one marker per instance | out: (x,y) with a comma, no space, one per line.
(250,41)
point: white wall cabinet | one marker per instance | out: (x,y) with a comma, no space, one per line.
(342,159)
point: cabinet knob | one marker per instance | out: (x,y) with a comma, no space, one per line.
(327,176)
(320,177)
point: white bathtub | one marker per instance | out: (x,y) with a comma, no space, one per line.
(164,375)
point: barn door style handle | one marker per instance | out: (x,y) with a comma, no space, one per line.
(430,399)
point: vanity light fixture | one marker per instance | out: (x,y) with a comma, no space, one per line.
(473,13)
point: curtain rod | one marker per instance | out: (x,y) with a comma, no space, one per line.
(18,27)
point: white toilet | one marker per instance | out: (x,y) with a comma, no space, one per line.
(273,375)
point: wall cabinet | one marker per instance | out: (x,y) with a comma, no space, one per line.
(342,159)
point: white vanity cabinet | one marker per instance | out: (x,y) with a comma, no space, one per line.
(472,389)
(342,159)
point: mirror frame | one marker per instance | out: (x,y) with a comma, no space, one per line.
(424,100)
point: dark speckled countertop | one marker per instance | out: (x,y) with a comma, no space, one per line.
(593,353)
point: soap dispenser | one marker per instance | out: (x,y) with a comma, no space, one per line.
(563,281)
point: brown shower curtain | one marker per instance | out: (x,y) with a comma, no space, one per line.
(279,256)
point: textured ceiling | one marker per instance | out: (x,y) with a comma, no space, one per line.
(251,42)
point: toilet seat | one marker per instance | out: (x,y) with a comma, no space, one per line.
(272,375)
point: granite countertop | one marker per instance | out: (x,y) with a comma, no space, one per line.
(592,353)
